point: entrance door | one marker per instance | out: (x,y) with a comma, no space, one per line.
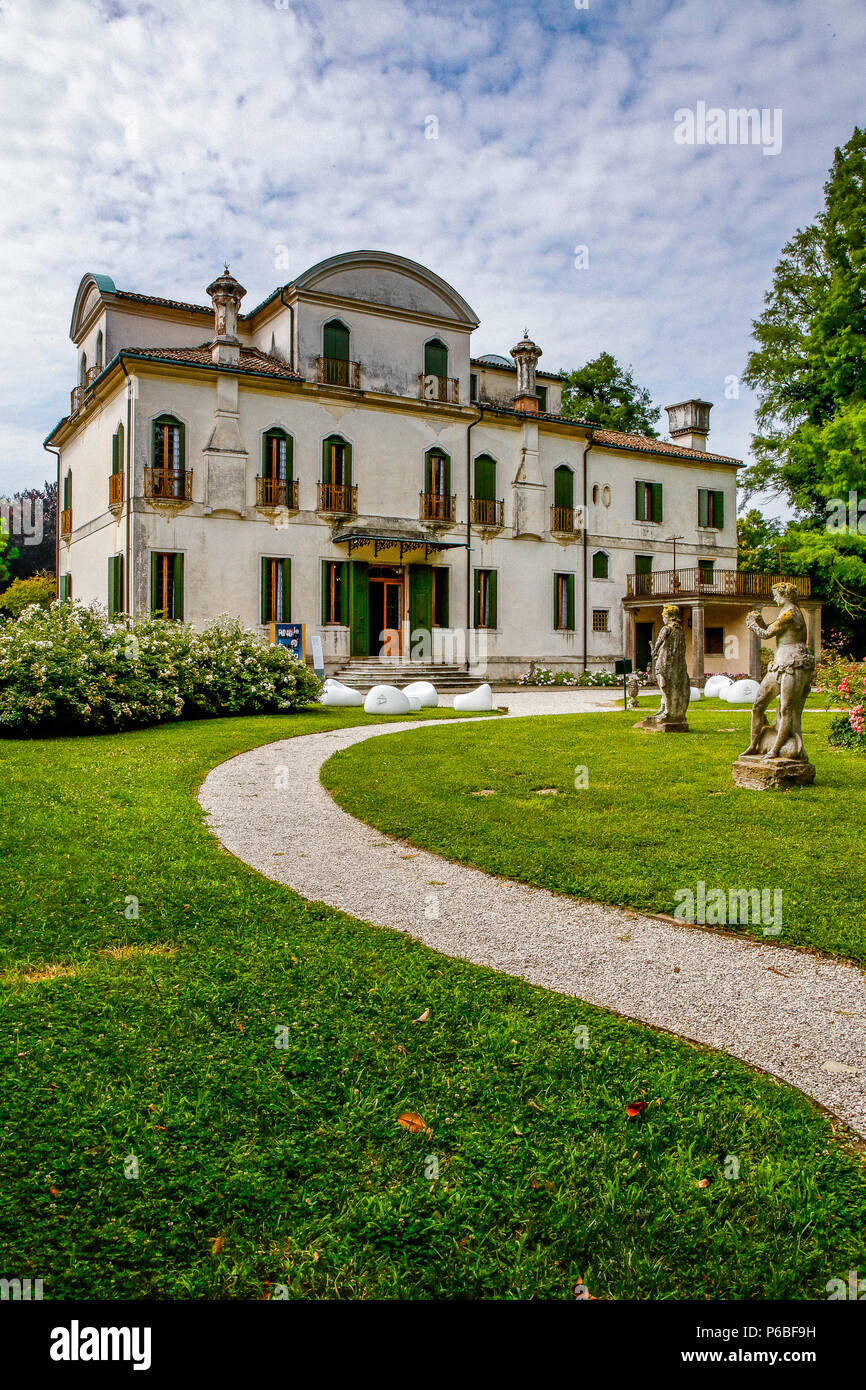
(386,611)
(643,645)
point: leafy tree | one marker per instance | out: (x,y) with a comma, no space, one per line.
(38,588)
(809,364)
(607,394)
(39,558)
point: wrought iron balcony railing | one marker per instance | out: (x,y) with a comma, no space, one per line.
(115,489)
(562,520)
(66,523)
(168,484)
(439,388)
(338,499)
(697,583)
(486,512)
(435,506)
(277,492)
(335,371)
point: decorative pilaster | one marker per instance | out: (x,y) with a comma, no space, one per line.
(698,645)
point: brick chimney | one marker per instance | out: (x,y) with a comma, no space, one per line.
(689,423)
(226,294)
(526,355)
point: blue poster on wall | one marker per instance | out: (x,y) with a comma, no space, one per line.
(291,635)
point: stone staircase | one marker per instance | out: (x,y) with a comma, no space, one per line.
(363,674)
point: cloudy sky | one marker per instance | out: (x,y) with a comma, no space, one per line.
(152,139)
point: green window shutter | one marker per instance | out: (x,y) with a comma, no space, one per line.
(556,582)
(327,471)
(719,510)
(115,585)
(485,478)
(154,581)
(324,591)
(563,487)
(64,590)
(420,599)
(639,502)
(265,600)
(435,359)
(445,582)
(111,563)
(348,468)
(290,459)
(182,450)
(493,611)
(569,581)
(67,491)
(656,489)
(476,619)
(114,467)
(336,341)
(286,611)
(428,473)
(703,507)
(358,584)
(177,606)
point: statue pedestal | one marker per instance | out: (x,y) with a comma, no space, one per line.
(665,726)
(771,774)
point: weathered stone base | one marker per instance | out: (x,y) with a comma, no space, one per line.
(667,726)
(771,774)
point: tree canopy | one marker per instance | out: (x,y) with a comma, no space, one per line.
(604,392)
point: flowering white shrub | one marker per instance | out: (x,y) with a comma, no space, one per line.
(541,675)
(73,669)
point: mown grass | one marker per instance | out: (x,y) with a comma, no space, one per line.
(659,813)
(153,1037)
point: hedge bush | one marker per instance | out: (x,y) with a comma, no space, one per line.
(37,588)
(70,668)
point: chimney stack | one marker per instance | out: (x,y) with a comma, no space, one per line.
(226,294)
(526,355)
(689,423)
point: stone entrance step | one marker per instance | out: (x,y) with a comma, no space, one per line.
(363,675)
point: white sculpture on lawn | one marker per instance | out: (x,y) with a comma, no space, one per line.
(480,699)
(386,699)
(335,693)
(716,686)
(424,691)
(742,692)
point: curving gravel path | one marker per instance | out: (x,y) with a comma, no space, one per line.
(798,1016)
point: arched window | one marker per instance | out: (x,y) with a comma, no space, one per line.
(98,363)
(596,492)
(601,565)
(169,451)
(277,456)
(437,504)
(336,462)
(485,478)
(435,358)
(563,487)
(335,365)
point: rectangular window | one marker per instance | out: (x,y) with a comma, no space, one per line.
(711,509)
(115,585)
(485,599)
(705,571)
(714,641)
(335,598)
(440,596)
(473,386)
(166,584)
(541,392)
(600,620)
(168,445)
(64,589)
(648,502)
(563,602)
(276,606)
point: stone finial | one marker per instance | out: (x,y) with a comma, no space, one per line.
(226,293)
(526,354)
(689,423)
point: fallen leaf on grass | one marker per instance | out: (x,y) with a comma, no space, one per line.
(422,1018)
(414,1123)
(635,1108)
(704,1182)
(216,1244)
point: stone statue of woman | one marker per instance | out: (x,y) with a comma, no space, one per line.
(778,746)
(671,671)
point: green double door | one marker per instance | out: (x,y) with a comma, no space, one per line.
(426,594)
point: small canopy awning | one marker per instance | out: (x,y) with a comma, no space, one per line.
(407,541)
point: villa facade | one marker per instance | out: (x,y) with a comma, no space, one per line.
(338,457)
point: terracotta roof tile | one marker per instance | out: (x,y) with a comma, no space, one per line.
(614,439)
(251,360)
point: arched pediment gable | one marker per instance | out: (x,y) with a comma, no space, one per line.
(395,282)
(90,291)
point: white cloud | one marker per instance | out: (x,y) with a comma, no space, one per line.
(152,140)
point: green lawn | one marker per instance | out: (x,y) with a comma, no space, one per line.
(659,814)
(154,1037)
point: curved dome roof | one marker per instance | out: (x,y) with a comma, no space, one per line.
(494,360)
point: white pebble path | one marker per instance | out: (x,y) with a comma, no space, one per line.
(798,1016)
